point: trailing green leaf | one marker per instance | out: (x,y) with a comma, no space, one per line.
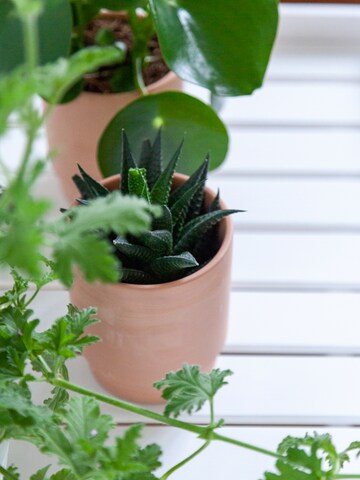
(188,389)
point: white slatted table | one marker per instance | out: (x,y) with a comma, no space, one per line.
(294,336)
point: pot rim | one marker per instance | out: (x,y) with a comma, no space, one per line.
(168,78)
(224,247)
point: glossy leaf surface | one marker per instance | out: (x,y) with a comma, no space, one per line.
(177,114)
(223,46)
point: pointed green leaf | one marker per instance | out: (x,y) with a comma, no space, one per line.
(196,228)
(159,241)
(215,204)
(132,275)
(151,159)
(200,175)
(172,266)
(93,187)
(164,221)
(161,190)
(180,209)
(137,183)
(136,253)
(127,162)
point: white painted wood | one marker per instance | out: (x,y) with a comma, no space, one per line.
(288,103)
(267,390)
(274,151)
(294,323)
(296,259)
(219,461)
(270,323)
(291,202)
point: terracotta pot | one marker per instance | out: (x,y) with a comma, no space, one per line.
(74,129)
(148,330)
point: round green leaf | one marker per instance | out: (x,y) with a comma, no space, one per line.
(222,45)
(54,27)
(178,115)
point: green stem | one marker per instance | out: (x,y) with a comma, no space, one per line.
(130,407)
(31,42)
(138,76)
(248,446)
(32,298)
(183,462)
(7,475)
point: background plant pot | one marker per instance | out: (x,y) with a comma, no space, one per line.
(74,129)
(4,449)
(148,330)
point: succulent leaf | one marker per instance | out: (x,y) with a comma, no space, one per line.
(160,192)
(159,241)
(215,204)
(199,176)
(182,239)
(127,163)
(164,222)
(139,277)
(138,253)
(151,159)
(180,209)
(170,267)
(95,188)
(197,227)
(137,183)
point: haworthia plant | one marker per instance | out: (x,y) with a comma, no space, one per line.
(184,238)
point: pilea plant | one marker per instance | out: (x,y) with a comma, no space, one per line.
(184,238)
(228,61)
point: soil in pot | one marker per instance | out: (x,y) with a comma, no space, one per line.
(119,78)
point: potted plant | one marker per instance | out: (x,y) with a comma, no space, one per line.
(229,61)
(171,305)
(72,430)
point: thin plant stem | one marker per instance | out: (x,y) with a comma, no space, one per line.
(31,42)
(185,461)
(33,296)
(138,76)
(130,407)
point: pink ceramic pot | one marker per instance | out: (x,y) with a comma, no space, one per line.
(148,330)
(74,129)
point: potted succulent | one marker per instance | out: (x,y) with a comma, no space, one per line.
(228,61)
(172,303)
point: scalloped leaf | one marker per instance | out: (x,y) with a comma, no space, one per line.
(197,228)
(187,390)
